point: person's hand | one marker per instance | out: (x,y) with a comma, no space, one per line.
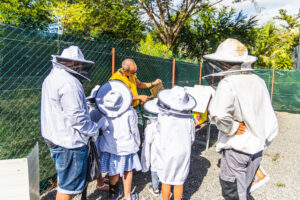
(103,123)
(144,98)
(241,129)
(156,82)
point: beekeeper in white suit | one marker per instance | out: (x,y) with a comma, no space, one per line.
(242,111)
(176,129)
(65,121)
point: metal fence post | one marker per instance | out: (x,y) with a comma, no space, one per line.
(200,76)
(113,61)
(273,76)
(173,73)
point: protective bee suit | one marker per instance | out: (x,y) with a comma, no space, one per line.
(95,115)
(176,136)
(65,120)
(122,136)
(176,130)
(66,125)
(241,97)
(150,147)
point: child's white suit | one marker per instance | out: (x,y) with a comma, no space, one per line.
(150,148)
(176,135)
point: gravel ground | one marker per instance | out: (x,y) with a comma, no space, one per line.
(281,161)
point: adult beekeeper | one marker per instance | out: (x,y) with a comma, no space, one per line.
(65,121)
(242,111)
(127,74)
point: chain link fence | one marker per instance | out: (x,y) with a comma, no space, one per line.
(25,60)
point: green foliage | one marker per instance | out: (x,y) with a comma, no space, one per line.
(292,21)
(273,46)
(25,12)
(152,48)
(93,17)
(210,27)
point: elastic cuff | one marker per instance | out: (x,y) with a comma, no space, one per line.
(234,128)
(68,191)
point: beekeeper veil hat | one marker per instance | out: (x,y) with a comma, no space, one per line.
(72,60)
(231,57)
(176,100)
(113,98)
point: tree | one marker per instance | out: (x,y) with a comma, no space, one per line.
(152,48)
(209,28)
(292,21)
(30,13)
(266,40)
(168,18)
(274,46)
(94,17)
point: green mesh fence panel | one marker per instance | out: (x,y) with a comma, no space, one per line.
(25,60)
(286,91)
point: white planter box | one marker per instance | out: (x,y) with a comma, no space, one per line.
(19,178)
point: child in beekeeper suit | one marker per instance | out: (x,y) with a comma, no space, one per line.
(176,129)
(149,151)
(120,142)
(95,114)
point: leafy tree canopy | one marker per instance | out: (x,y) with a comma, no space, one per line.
(152,48)
(95,17)
(202,35)
(274,46)
(33,13)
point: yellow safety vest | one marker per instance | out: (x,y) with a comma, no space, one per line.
(129,81)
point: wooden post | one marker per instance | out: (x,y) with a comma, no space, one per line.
(113,61)
(273,76)
(173,73)
(200,76)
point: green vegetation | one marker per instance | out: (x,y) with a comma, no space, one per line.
(279,184)
(274,46)
(152,48)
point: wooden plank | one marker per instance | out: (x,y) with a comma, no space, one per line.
(14,176)
(33,173)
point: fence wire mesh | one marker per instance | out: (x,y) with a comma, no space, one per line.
(25,60)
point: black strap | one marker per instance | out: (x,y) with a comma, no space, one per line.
(50,144)
(113,190)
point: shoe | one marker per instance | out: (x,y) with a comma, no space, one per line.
(104,187)
(259,182)
(154,192)
(133,196)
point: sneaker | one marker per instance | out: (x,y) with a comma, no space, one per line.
(133,196)
(153,191)
(257,182)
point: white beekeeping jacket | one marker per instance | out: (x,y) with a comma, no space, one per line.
(122,136)
(243,98)
(150,147)
(65,120)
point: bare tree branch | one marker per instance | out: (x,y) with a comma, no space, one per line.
(153,20)
(162,18)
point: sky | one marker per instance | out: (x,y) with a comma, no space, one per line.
(269,8)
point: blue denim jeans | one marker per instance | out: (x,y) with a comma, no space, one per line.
(71,167)
(155,180)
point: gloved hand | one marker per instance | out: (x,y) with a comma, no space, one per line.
(103,123)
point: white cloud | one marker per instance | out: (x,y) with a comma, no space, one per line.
(269,8)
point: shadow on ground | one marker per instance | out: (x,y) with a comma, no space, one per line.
(198,170)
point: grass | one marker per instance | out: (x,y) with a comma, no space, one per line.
(280,184)
(20,130)
(275,157)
